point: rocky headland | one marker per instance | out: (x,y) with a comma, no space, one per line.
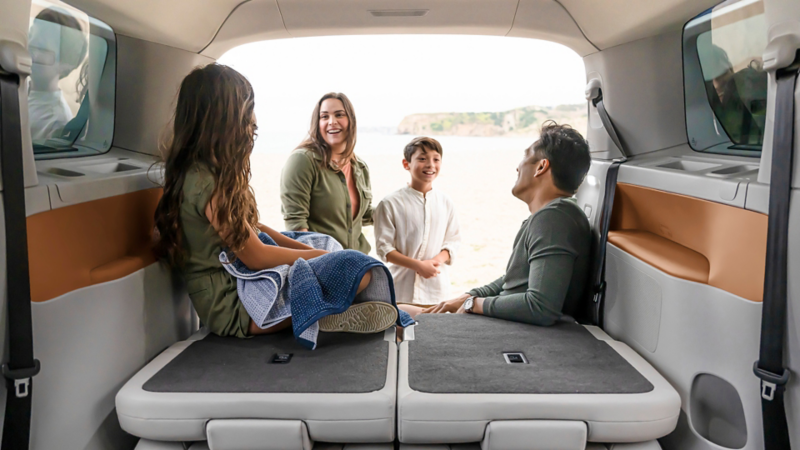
(516,122)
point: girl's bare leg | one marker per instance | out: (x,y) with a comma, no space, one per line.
(280,326)
(364,282)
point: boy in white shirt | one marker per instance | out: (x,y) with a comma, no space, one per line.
(416,229)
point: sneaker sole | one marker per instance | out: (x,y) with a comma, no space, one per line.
(367,317)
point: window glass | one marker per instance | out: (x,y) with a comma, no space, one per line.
(726,86)
(71,87)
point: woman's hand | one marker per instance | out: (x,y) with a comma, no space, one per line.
(428,268)
(450,306)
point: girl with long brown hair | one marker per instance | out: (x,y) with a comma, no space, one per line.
(325,187)
(208,204)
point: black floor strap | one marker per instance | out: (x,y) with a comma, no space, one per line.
(21,366)
(770,367)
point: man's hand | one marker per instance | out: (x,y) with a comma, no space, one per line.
(450,306)
(428,268)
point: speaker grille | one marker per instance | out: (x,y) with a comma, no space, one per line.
(399,12)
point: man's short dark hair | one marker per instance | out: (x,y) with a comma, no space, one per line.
(425,143)
(568,153)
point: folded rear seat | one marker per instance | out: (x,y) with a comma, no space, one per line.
(466,378)
(231,393)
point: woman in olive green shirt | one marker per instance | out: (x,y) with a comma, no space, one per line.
(324,186)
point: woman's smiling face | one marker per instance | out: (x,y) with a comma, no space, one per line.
(333,122)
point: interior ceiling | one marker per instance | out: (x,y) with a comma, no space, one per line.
(214,26)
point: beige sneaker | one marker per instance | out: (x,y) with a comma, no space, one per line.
(367,317)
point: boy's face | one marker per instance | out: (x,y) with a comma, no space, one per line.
(424,165)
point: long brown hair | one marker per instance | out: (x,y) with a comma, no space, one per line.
(213,127)
(316,143)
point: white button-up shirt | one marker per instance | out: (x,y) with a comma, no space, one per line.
(419,226)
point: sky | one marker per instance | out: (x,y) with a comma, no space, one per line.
(389,77)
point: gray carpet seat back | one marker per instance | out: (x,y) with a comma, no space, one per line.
(342,363)
(465,354)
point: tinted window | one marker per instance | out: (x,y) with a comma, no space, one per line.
(71,87)
(725,84)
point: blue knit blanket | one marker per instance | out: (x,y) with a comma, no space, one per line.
(309,290)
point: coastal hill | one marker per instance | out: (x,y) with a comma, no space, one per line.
(516,122)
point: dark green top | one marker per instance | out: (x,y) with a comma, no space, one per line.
(211,288)
(548,268)
(317,199)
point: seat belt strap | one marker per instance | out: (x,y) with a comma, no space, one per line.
(608,124)
(599,275)
(21,366)
(770,366)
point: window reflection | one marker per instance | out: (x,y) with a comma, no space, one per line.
(58,43)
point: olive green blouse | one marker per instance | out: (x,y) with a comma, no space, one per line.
(317,199)
(211,288)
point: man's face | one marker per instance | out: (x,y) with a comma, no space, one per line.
(527,181)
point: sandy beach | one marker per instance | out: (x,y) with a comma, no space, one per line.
(477,173)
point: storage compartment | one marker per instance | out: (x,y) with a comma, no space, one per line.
(113,167)
(716,411)
(62,172)
(688,166)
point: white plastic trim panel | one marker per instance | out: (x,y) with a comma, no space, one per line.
(425,418)
(703,330)
(145,444)
(245,434)
(535,435)
(352,418)
(93,339)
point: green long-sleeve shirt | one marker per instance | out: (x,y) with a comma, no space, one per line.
(548,268)
(316,198)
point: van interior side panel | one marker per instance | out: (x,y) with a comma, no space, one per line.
(639,81)
(703,339)
(148,78)
(95,335)
(93,340)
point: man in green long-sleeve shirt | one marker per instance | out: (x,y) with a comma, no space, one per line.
(547,274)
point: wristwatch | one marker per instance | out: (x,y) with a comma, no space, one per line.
(469,303)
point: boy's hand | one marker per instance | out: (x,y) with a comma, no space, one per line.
(428,268)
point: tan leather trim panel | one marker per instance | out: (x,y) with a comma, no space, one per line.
(663,254)
(675,233)
(89,243)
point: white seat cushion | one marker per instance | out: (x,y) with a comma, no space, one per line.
(330,417)
(429,418)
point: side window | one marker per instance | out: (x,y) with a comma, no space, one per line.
(71,87)
(724,81)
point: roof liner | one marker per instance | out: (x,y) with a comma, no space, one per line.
(582,25)
(185,24)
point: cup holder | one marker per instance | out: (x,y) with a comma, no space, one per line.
(688,166)
(112,167)
(736,170)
